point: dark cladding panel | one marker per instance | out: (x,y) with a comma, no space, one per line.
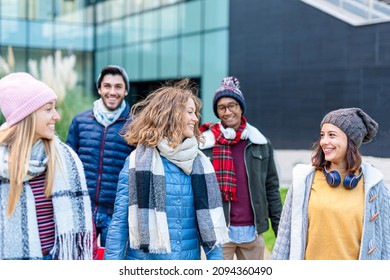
(296,63)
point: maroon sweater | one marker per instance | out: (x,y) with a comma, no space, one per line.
(241,213)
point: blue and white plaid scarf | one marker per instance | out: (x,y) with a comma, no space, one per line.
(148,226)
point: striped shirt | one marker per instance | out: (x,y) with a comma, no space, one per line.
(45,214)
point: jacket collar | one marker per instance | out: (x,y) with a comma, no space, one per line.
(372,176)
(255,136)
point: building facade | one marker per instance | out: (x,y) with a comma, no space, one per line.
(294,61)
(154,40)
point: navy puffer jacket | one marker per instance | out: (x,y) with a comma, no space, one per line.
(103,153)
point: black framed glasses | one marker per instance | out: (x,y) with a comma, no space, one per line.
(231,106)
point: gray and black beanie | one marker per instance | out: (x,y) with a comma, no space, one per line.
(230,87)
(355,123)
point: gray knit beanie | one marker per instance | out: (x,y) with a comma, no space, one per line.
(230,87)
(355,123)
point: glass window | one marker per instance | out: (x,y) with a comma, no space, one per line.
(13,32)
(102,11)
(169,21)
(134,6)
(191,17)
(101,60)
(190,56)
(88,37)
(116,32)
(151,4)
(118,8)
(88,14)
(102,36)
(149,61)
(72,11)
(13,8)
(69,36)
(168,2)
(41,34)
(132,62)
(149,27)
(132,29)
(216,56)
(216,14)
(117,56)
(42,10)
(215,67)
(84,67)
(169,58)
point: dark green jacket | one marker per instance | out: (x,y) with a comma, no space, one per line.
(262,179)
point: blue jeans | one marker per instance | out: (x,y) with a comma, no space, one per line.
(102,221)
(47,257)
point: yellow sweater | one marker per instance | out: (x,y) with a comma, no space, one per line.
(335,221)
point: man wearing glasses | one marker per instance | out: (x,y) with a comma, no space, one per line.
(243,160)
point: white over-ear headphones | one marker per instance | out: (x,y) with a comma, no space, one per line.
(229,133)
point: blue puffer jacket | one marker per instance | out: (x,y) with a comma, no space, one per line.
(103,152)
(182,222)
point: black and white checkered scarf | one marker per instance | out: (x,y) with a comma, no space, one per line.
(148,226)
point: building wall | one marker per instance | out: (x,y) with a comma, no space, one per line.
(296,63)
(166,40)
(35,29)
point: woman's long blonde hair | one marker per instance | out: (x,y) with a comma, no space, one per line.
(160,115)
(19,139)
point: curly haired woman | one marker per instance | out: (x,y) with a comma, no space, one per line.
(168,203)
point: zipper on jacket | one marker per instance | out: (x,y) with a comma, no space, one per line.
(249,187)
(120,119)
(97,192)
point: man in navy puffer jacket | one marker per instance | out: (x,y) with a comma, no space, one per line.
(94,135)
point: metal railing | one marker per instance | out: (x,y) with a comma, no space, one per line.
(355,12)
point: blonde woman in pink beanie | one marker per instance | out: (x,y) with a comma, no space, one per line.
(45,208)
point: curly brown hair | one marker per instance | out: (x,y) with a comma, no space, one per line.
(160,115)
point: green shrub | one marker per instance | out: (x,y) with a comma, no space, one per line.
(74,103)
(269,236)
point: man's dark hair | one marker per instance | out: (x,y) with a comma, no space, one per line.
(113,70)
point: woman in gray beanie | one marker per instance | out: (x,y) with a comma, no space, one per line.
(338,208)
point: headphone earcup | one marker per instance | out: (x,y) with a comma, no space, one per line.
(351,181)
(332,178)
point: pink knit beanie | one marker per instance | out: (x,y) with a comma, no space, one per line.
(21,94)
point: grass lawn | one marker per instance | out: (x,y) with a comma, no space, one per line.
(269,236)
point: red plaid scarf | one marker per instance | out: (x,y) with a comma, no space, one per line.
(223,159)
